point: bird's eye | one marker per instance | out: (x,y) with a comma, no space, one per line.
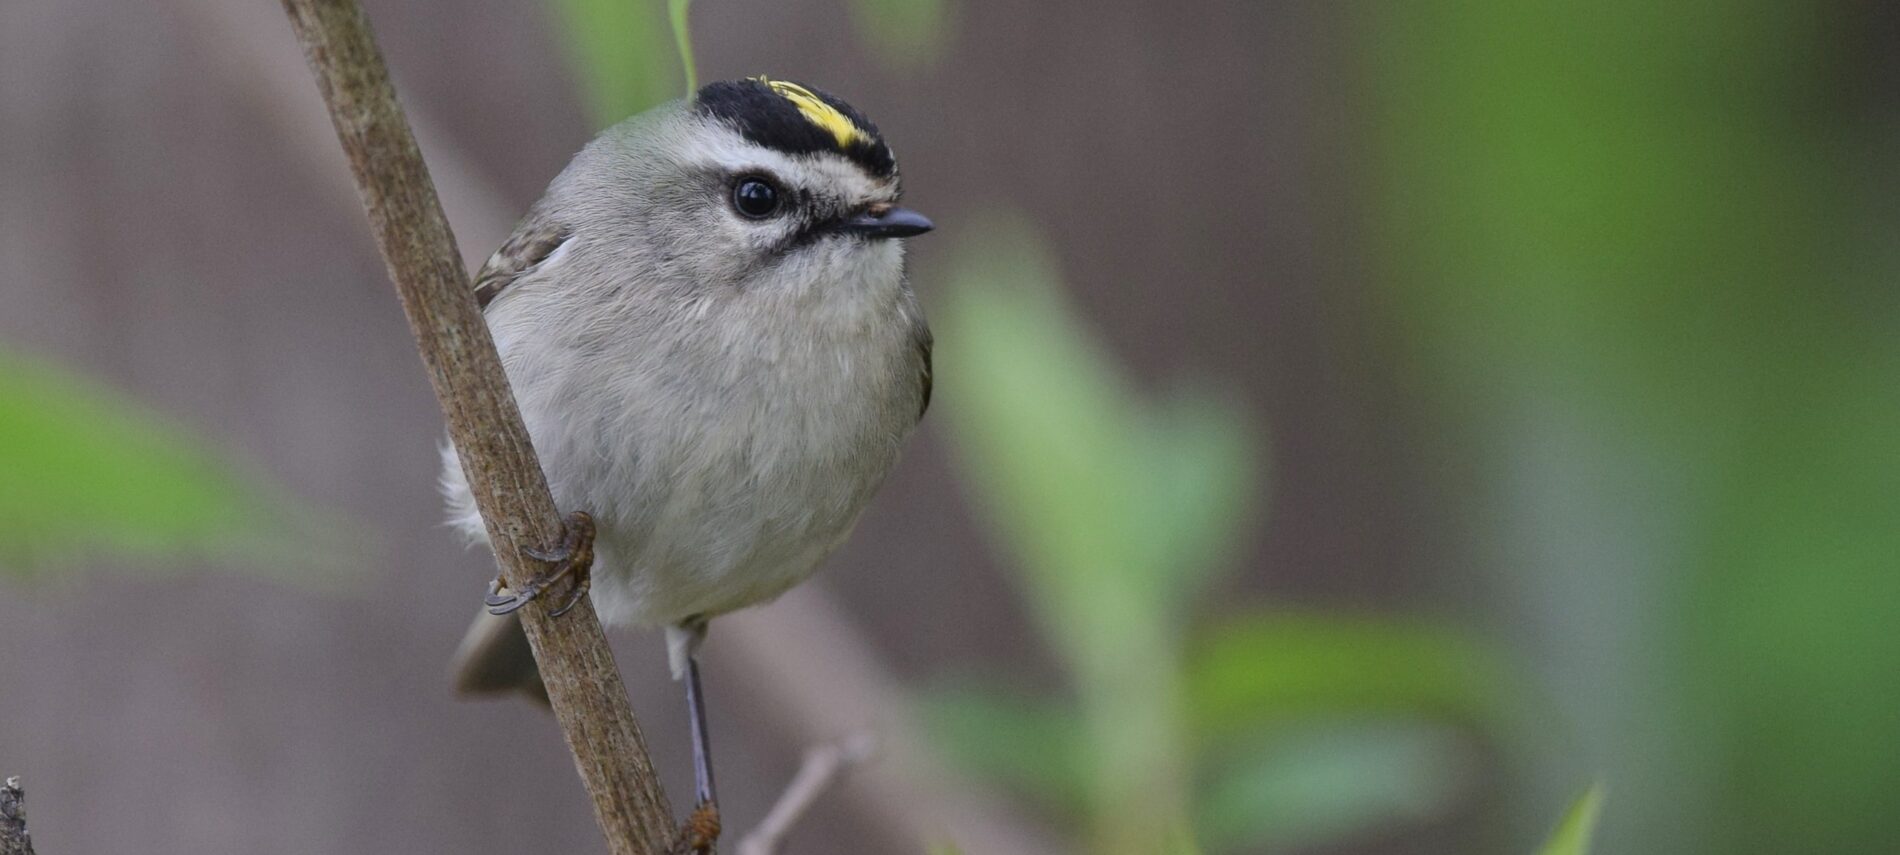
(755,197)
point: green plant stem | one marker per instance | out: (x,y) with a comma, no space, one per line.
(679,11)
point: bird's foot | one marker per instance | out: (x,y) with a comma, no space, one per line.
(574,557)
(699,832)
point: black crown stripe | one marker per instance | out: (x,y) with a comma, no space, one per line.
(769,119)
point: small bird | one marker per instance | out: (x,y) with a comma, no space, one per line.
(708,328)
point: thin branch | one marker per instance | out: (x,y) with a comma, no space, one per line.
(810,664)
(823,677)
(822,766)
(504,475)
(13,837)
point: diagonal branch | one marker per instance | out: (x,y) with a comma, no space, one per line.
(812,666)
(504,475)
(13,837)
(822,767)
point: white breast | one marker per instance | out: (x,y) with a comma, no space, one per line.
(725,446)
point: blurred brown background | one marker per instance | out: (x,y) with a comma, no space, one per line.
(174,219)
(162,233)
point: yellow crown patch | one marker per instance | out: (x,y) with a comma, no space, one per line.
(818,112)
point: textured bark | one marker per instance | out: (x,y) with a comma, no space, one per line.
(583,682)
(13,837)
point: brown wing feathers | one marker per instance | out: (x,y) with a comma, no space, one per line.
(533,241)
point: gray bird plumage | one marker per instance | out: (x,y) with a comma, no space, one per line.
(722,393)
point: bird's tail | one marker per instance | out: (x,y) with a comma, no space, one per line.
(495,659)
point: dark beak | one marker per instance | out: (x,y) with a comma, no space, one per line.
(888,222)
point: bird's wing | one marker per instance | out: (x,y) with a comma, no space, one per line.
(924,342)
(536,238)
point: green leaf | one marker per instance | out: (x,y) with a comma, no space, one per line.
(1322,784)
(1118,509)
(1573,833)
(677,14)
(1027,744)
(620,51)
(86,475)
(1200,485)
(906,34)
(1048,433)
(1269,670)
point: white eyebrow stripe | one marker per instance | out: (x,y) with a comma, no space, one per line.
(726,149)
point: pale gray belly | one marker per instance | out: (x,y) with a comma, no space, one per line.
(719,471)
(706,503)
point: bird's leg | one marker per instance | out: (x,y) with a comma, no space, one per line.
(702,741)
(701,829)
(574,557)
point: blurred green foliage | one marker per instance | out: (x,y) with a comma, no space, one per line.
(1177,730)
(1242,678)
(86,475)
(1329,780)
(1120,510)
(1578,826)
(1069,467)
(678,13)
(1643,254)
(618,47)
(908,35)
(1026,742)
(621,54)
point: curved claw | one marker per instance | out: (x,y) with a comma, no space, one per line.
(551,556)
(577,542)
(507,606)
(574,557)
(581,587)
(503,604)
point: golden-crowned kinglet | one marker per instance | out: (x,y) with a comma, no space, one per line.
(707,326)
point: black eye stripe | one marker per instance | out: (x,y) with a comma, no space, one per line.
(812,231)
